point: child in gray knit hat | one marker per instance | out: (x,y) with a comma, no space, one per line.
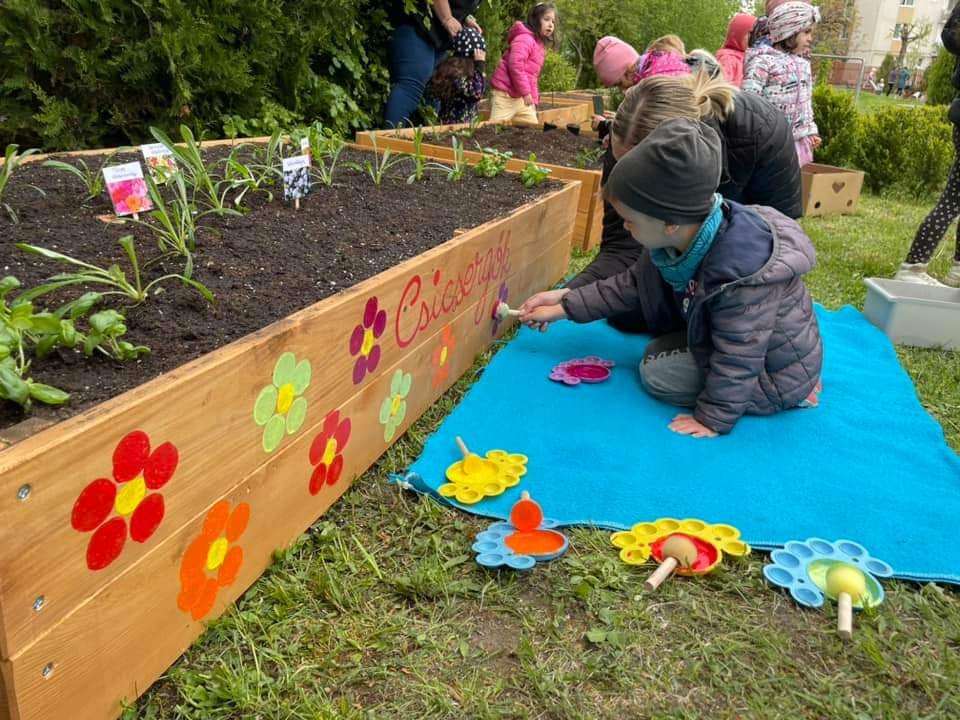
(748,341)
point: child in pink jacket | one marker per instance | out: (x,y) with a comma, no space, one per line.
(515,93)
(731,55)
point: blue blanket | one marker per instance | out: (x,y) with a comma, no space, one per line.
(869,464)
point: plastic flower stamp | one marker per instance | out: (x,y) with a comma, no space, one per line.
(363,341)
(394,407)
(326,451)
(442,356)
(280,407)
(213,559)
(582,370)
(502,295)
(110,508)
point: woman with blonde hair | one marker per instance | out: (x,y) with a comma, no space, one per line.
(760,167)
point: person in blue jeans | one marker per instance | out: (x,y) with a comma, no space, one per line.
(416,49)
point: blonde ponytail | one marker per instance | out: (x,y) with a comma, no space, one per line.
(668,97)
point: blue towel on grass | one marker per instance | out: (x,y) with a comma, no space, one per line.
(869,464)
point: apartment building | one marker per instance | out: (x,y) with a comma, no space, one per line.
(879,23)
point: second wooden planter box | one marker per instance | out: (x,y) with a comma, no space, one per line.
(589,218)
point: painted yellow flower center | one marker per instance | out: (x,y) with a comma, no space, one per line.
(330,451)
(130,496)
(285,398)
(216,553)
(443,355)
(368,340)
(395,404)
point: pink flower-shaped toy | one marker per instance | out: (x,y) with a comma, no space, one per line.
(582,370)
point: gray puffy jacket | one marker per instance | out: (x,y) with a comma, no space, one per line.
(749,316)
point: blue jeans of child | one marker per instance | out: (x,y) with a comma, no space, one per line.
(412,61)
(669,371)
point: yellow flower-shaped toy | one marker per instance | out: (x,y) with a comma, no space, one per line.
(711,542)
(280,407)
(474,478)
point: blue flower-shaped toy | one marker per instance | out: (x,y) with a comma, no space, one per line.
(520,544)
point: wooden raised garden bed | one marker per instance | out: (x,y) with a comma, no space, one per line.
(229,476)
(554,108)
(589,219)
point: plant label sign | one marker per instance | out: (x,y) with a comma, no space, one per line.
(128,191)
(160,162)
(296,178)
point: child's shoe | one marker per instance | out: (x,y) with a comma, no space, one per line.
(953,277)
(916,273)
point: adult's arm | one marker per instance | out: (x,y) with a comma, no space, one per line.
(618,249)
(951,32)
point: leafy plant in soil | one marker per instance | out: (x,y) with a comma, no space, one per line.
(198,175)
(19,327)
(112,277)
(106,329)
(492,162)
(532,174)
(459,167)
(12,160)
(92,179)
(325,149)
(588,157)
(379,165)
(252,177)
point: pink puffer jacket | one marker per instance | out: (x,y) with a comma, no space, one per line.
(519,70)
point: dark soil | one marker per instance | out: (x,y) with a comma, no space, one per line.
(556,147)
(261,267)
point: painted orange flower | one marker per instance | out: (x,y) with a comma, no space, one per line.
(442,355)
(213,560)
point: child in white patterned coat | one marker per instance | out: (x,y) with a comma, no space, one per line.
(782,75)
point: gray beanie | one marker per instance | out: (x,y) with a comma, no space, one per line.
(672,174)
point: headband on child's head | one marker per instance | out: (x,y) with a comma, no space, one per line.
(791,18)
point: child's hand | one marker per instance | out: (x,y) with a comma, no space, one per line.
(817,141)
(541,317)
(596,120)
(689,425)
(528,99)
(547,297)
(479,55)
(472,23)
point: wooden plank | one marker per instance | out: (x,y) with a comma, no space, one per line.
(205,408)
(589,226)
(117,643)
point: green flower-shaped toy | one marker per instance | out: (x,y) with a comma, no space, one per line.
(394,407)
(280,407)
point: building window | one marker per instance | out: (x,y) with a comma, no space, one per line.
(898,28)
(906,3)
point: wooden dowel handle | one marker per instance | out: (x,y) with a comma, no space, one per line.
(845,616)
(462,446)
(661,573)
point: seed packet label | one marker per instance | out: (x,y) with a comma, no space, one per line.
(296,177)
(305,148)
(159,161)
(127,189)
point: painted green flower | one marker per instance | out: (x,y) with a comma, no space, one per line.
(280,408)
(394,407)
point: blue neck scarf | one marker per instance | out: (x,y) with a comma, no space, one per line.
(678,270)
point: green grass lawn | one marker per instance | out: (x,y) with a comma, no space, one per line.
(379,611)
(869,101)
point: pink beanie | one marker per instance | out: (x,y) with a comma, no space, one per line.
(661,63)
(611,57)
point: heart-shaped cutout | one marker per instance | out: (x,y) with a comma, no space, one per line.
(838,186)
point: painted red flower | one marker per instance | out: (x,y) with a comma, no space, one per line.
(127,498)
(325,452)
(442,356)
(213,559)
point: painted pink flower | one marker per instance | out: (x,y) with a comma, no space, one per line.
(363,341)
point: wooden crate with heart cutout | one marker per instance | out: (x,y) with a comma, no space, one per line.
(829,190)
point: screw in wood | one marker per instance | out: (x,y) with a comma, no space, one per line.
(38,603)
(48,670)
(23,493)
